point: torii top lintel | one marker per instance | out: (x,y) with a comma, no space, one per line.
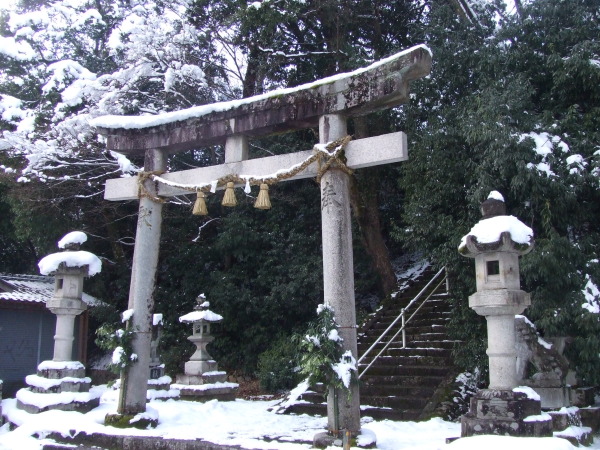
(381,85)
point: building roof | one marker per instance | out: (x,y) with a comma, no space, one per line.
(32,288)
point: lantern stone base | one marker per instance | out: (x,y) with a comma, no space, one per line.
(60,385)
(203,378)
(222,391)
(504,412)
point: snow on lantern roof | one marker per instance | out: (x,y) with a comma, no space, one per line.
(494,224)
(74,237)
(489,231)
(196,316)
(50,263)
(496,196)
(70,258)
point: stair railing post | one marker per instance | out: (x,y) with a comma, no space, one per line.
(403,330)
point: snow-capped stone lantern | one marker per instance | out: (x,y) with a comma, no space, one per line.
(69,268)
(496,242)
(202,380)
(61,383)
(201,319)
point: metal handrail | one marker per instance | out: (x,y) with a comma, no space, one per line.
(404,322)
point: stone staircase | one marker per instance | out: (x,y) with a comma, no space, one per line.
(403,383)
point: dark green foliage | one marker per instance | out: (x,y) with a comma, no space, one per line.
(111,339)
(471,125)
(321,349)
(278,367)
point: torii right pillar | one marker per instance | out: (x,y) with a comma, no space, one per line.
(343,411)
(496,242)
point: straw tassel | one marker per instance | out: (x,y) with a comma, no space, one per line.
(263,201)
(229,197)
(200,205)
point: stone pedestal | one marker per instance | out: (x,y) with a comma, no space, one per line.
(505,413)
(58,385)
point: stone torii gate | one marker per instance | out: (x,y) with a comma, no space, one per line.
(326,103)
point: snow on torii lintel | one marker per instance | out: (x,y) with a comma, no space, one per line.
(140,122)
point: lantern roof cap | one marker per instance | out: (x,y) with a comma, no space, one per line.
(198,316)
(201,312)
(496,231)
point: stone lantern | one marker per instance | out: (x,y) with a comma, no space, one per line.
(496,242)
(202,380)
(62,374)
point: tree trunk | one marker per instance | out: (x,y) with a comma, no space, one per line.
(365,206)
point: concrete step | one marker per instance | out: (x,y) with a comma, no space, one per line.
(382,370)
(365,411)
(390,414)
(401,403)
(402,380)
(408,361)
(374,390)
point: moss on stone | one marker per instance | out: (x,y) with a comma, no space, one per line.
(124,421)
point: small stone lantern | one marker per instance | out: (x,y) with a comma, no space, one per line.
(496,242)
(202,380)
(201,319)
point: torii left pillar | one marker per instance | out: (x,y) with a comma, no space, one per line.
(134,381)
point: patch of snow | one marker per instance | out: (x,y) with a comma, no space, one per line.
(488,231)
(46,383)
(165,379)
(345,368)
(195,316)
(530,393)
(117,354)
(496,195)
(205,387)
(574,431)
(323,307)
(124,163)
(592,296)
(543,417)
(149,414)
(43,400)
(292,397)
(74,237)
(543,343)
(50,263)
(157,319)
(334,336)
(59,365)
(126,315)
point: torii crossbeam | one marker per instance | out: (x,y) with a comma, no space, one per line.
(326,103)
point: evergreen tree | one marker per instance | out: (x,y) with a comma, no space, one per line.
(521,117)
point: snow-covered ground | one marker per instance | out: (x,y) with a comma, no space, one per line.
(250,425)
